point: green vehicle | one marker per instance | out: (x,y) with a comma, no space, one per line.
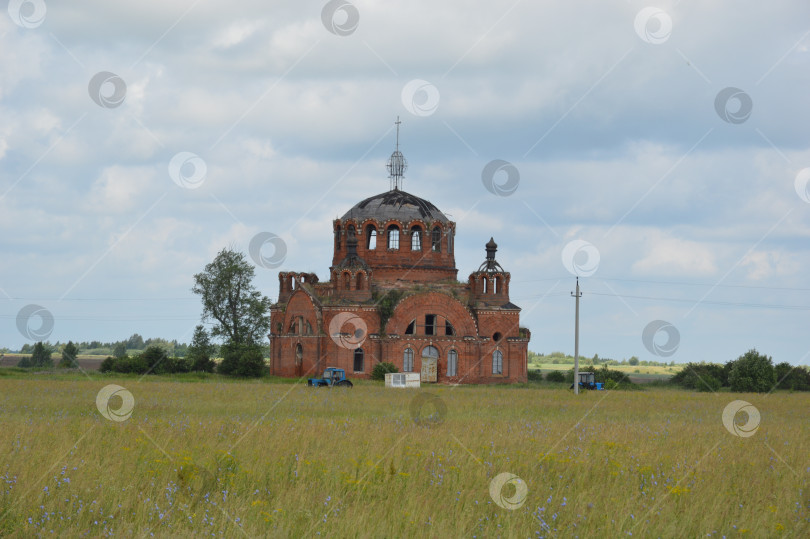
(332,377)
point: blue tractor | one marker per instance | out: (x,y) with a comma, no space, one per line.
(587,380)
(332,377)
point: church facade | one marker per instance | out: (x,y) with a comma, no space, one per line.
(393,296)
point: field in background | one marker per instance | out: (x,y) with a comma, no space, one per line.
(286,460)
(639,374)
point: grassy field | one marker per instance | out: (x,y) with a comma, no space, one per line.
(256,458)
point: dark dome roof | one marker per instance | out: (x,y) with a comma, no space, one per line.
(395,204)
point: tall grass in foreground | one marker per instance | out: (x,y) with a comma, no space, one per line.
(252,459)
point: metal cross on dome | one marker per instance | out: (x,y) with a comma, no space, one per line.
(396,163)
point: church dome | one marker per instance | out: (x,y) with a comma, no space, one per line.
(395,204)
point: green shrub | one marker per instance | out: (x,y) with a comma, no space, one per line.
(692,373)
(41,356)
(25,362)
(69,354)
(381,369)
(251,363)
(107,364)
(126,364)
(708,384)
(157,360)
(242,360)
(793,378)
(556,376)
(752,372)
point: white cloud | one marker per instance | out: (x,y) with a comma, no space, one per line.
(119,189)
(665,255)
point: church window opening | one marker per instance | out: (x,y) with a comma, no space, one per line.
(448,328)
(347,281)
(337,237)
(416,239)
(497,362)
(411,328)
(309,328)
(452,363)
(371,237)
(430,324)
(393,237)
(436,240)
(431,352)
(407,360)
(358,360)
(450,241)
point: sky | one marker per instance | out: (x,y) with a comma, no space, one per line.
(659,151)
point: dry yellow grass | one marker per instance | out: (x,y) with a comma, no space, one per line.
(264,459)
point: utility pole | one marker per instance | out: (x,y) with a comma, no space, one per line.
(576,340)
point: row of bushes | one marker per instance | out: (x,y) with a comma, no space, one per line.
(611,378)
(751,372)
(239,360)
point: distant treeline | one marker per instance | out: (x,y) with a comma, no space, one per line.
(559,358)
(751,372)
(135,343)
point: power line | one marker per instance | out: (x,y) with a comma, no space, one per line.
(687,300)
(682,283)
(101,299)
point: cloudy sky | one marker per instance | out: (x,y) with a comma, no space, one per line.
(667,141)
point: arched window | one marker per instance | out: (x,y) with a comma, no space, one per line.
(452,363)
(358,360)
(347,281)
(411,328)
(371,237)
(299,354)
(496,284)
(360,281)
(436,240)
(309,328)
(337,237)
(393,237)
(407,360)
(416,238)
(350,231)
(486,283)
(450,241)
(449,330)
(431,352)
(497,362)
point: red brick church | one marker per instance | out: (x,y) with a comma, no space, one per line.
(393,296)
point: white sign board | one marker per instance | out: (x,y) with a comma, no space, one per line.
(402,379)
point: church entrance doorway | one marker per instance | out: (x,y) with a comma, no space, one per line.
(430,364)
